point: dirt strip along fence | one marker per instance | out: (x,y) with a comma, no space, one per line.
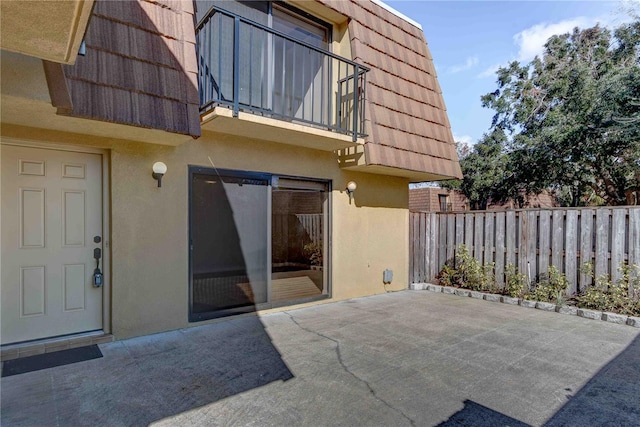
(529,239)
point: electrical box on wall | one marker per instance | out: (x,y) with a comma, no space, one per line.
(387,276)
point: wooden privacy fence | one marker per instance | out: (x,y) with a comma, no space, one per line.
(529,239)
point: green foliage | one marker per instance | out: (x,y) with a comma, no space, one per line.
(313,251)
(483,171)
(552,288)
(622,297)
(470,274)
(516,285)
(573,113)
(448,276)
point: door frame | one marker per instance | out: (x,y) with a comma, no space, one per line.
(106,210)
(256,308)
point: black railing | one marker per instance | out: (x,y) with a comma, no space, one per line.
(249,67)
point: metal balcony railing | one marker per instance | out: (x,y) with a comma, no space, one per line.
(249,67)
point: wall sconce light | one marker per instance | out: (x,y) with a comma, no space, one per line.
(351,187)
(159,169)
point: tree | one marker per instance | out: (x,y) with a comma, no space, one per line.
(483,170)
(572,118)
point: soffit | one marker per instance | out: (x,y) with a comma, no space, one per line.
(51,30)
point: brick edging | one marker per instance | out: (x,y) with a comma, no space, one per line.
(545,306)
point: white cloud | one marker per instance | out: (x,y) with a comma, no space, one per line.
(531,41)
(491,71)
(465,139)
(471,62)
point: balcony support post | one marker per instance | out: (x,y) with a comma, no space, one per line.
(356,76)
(236,66)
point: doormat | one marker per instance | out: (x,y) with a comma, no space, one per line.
(50,360)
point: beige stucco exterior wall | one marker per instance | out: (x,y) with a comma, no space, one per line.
(149,225)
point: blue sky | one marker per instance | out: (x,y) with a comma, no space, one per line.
(470,39)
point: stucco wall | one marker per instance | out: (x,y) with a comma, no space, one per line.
(150,225)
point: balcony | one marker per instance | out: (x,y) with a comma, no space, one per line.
(276,85)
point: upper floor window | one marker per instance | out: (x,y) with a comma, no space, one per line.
(280,16)
(310,31)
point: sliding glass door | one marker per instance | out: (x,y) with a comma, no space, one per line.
(257,241)
(298,240)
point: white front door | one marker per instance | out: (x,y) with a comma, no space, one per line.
(51,212)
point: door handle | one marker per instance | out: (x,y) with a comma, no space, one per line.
(98,278)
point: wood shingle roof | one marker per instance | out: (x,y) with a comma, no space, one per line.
(140,67)
(405,113)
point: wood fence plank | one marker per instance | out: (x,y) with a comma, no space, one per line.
(428,258)
(523,244)
(468,231)
(412,247)
(544,237)
(558,239)
(511,244)
(618,226)
(586,247)
(435,265)
(602,242)
(634,241)
(451,237)
(459,229)
(489,227)
(478,237)
(571,244)
(442,240)
(417,258)
(532,243)
(459,233)
(499,253)
(424,247)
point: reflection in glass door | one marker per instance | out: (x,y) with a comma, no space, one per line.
(298,240)
(229,243)
(300,74)
(257,241)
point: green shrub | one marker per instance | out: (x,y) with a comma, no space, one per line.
(622,297)
(552,288)
(313,251)
(448,276)
(516,283)
(472,275)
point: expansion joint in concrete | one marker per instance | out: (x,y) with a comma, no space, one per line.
(349,371)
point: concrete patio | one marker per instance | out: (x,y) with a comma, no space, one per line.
(407,358)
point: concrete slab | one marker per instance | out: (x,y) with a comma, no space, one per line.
(406,358)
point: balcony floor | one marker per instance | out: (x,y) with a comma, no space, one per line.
(221,120)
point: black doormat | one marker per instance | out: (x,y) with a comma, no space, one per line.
(50,360)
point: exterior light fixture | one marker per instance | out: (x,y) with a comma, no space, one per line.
(159,169)
(351,187)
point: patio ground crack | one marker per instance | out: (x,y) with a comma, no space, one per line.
(347,370)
